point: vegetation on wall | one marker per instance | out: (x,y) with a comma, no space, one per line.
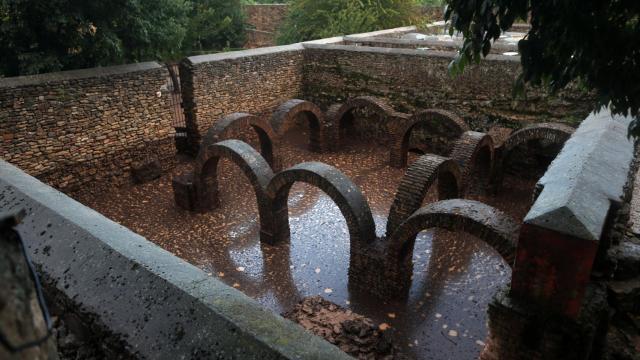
(214,24)
(42,36)
(312,19)
(590,41)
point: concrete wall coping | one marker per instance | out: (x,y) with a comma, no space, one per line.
(29,80)
(403,29)
(161,306)
(400,51)
(267,5)
(424,43)
(199,59)
(588,174)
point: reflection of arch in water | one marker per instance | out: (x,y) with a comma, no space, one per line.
(552,132)
(441,122)
(339,115)
(478,219)
(305,201)
(285,116)
(473,152)
(222,129)
(339,187)
(252,164)
(415,185)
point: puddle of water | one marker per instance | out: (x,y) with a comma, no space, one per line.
(454,276)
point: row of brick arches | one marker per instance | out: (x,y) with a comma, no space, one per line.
(381,265)
(325,134)
(367,252)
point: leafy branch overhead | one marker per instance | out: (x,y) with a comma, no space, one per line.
(593,42)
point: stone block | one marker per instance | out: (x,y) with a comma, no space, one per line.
(145,172)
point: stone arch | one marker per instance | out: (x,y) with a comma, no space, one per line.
(339,187)
(453,124)
(483,221)
(474,153)
(220,131)
(416,183)
(337,113)
(553,132)
(287,112)
(252,164)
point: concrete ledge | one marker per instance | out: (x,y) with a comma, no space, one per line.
(409,43)
(161,306)
(199,59)
(588,174)
(403,29)
(76,74)
(401,51)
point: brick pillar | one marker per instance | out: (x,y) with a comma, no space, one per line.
(555,309)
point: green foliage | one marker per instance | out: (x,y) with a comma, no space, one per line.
(215,24)
(431,2)
(41,36)
(312,19)
(590,41)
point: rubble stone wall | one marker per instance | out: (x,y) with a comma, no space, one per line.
(253,81)
(416,79)
(86,126)
(264,20)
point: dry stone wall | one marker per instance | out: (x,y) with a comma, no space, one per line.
(254,81)
(264,20)
(86,126)
(415,79)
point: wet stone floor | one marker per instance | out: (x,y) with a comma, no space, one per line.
(455,274)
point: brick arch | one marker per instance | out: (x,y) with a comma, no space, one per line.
(554,132)
(220,131)
(483,221)
(474,153)
(252,164)
(338,112)
(287,112)
(454,126)
(339,187)
(416,183)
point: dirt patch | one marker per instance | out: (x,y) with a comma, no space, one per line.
(354,334)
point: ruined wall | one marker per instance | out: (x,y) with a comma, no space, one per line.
(86,126)
(414,79)
(264,21)
(254,81)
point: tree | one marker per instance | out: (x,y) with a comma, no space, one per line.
(312,19)
(40,36)
(594,42)
(214,25)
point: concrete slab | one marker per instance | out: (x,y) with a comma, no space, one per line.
(588,174)
(27,80)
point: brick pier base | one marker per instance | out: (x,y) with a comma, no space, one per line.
(519,331)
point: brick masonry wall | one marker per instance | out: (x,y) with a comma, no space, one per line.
(264,21)
(254,81)
(413,79)
(77,127)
